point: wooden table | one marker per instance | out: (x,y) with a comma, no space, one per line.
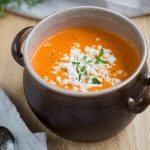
(135,137)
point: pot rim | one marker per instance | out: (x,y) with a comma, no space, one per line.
(84,94)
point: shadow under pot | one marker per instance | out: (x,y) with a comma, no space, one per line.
(91,116)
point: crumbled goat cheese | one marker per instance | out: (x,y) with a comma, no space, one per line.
(75,88)
(97,39)
(45,78)
(58,79)
(65,81)
(53,72)
(65,58)
(77,45)
(87,68)
(64,73)
(56,68)
(115,81)
(99,47)
(47,44)
(52,82)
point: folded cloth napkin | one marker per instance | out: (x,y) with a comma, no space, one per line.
(10,118)
(129,8)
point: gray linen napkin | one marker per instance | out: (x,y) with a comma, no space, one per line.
(10,118)
(129,8)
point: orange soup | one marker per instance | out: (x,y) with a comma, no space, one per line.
(85,59)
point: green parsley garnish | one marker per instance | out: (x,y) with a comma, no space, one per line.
(77,69)
(101,52)
(89,61)
(78,63)
(83,69)
(86,59)
(98,58)
(103,61)
(74,63)
(80,76)
(95,81)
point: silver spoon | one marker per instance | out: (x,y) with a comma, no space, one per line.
(7,140)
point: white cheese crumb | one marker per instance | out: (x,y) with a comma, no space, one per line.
(115,81)
(46,78)
(97,39)
(52,82)
(93,46)
(65,81)
(58,79)
(77,45)
(47,44)
(99,46)
(53,72)
(65,58)
(111,59)
(56,68)
(66,87)
(64,73)
(125,74)
(75,88)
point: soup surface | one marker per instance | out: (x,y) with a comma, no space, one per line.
(85,59)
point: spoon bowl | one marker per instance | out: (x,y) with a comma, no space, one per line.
(7,140)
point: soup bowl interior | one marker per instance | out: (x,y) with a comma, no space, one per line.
(84,17)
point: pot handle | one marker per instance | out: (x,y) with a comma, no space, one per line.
(139,106)
(17,45)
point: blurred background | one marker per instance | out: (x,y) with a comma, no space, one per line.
(38,9)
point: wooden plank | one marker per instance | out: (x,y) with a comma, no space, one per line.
(135,137)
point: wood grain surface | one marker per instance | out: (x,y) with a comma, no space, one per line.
(135,137)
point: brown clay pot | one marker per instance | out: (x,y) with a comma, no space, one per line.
(79,116)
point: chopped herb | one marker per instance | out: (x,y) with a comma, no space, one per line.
(83,69)
(78,63)
(103,61)
(97,57)
(80,76)
(74,63)
(98,60)
(95,81)
(101,53)
(89,76)
(89,61)
(77,69)
(84,58)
